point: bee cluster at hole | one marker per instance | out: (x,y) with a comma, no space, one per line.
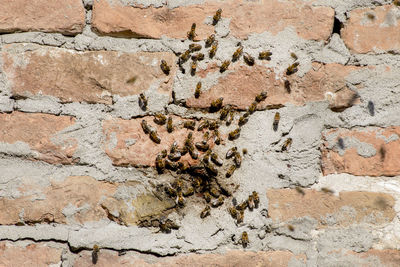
(205,179)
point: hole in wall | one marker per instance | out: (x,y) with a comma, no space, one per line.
(337,26)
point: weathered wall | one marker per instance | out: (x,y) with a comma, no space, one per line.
(77,170)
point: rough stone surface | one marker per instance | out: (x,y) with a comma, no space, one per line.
(67,17)
(379,33)
(242,83)
(93,77)
(231,258)
(115,18)
(328,210)
(40,255)
(42,137)
(365,151)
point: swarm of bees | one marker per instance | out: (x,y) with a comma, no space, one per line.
(205,177)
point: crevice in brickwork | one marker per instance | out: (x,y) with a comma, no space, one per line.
(337,26)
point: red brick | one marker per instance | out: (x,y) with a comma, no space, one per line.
(41,132)
(383,163)
(78,199)
(83,76)
(288,204)
(12,255)
(246,17)
(320,83)
(66,16)
(143,151)
(233,258)
(363,35)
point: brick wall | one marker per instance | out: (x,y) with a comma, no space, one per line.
(78,170)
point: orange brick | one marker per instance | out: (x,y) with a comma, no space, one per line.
(288,204)
(246,17)
(92,77)
(67,16)
(351,158)
(41,132)
(362,34)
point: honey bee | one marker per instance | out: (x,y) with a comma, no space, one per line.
(230,118)
(160,119)
(194,47)
(171,165)
(234,134)
(188,192)
(207,196)
(292,68)
(300,190)
(178,184)
(205,212)
(213,125)
(189,125)
(164,67)
(132,79)
(237,54)
(163,153)
(230,171)
(287,86)
(261,97)
(214,192)
(196,183)
(370,16)
(170,191)
(160,165)
(287,144)
(216,104)
(265,55)
(202,146)
(216,159)
(206,136)
(233,212)
(180,200)
(217,137)
(184,150)
(248,59)
(242,206)
(294,56)
(192,33)
(245,239)
(256,199)
(217,16)
(218,202)
(142,102)
(290,227)
(175,156)
(145,127)
(170,127)
(224,66)
(206,157)
(203,125)
(198,57)
(231,152)
(213,50)
(185,56)
(244,151)
(237,159)
(193,68)
(242,120)
(211,170)
(239,216)
(154,137)
(95,254)
(210,40)
(194,154)
(252,107)
(276,121)
(224,112)
(327,190)
(250,202)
